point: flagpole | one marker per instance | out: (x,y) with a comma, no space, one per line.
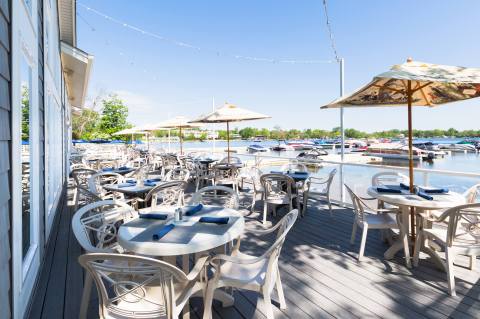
(342,130)
(213,110)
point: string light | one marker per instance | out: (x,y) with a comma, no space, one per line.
(330,32)
(196,48)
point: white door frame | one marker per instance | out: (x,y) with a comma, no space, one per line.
(24,46)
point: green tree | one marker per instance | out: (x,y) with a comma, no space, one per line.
(85,124)
(25,113)
(114,115)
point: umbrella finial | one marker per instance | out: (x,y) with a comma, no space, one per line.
(409,59)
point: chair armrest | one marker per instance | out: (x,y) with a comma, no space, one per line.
(215,260)
(367,198)
(199,266)
(317,180)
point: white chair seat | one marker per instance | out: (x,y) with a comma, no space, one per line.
(248,274)
(463,239)
(317,191)
(383,220)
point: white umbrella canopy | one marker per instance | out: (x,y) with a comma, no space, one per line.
(179,122)
(415,84)
(229,113)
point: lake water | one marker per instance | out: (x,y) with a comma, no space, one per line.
(360,177)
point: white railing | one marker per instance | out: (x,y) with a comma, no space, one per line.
(358,175)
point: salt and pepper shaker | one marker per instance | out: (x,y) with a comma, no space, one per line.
(178,214)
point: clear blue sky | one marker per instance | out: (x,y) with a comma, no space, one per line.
(158,79)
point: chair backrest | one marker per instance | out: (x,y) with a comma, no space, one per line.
(85,197)
(107,164)
(389,178)
(168,194)
(233,160)
(216,196)
(327,183)
(133,286)
(472,194)
(141,172)
(463,226)
(178,174)
(292,167)
(358,205)
(81,176)
(96,225)
(273,253)
(97,180)
(277,185)
(224,171)
(77,166)
(252,175)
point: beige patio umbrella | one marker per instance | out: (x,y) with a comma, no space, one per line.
(229,113)
(179,122)
(415,84)
(132,131)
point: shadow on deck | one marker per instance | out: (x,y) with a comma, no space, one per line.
(320,275)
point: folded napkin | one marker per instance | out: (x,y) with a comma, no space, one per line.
(153,180)
(153,215)
(404,186)
(162,232)
(131,181)
(147,183)
(107,169)
(301,173)
(192,210)
(125,185)
(388,190)
(123,168)
(276,172)
(214,220)
(434,190)
(424,195)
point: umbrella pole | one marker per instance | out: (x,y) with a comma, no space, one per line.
(181,146)
(410,156)
(228,143)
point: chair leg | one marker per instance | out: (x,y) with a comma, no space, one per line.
(450,272)
(87,288)
(281,296)
(207,304)
(473,262)
(267,302)
(329,205)
(252,207)
(418,246)
(354,232)
(362,243)
(265,208)
(305,202)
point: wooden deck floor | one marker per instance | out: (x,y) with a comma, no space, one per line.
(320,274)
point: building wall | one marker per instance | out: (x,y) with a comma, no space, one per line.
(5,144)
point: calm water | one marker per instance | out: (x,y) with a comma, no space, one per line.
(360,177)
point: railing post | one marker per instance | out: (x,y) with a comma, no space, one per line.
(425,179)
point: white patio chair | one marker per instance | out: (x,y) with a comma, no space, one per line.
(279,189)
(472,194)
(140,287)
(96,182)
(318,188)
(95,227)
(85,197)
(169,194)
(80,179)
(260,274)
(389,178)
(460,237)
(371,218)
(217,196)
(251,177)
(204,175)
(178,174)
(233,160)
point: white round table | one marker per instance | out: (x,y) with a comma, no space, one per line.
(405,201)
(187,237)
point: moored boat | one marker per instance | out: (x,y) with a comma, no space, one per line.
(397,151)
(257,148)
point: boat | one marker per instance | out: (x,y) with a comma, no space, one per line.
(430,147)
(313,154)
(301,145)
(458,147)
(282,148)
(257,148)
(397,151)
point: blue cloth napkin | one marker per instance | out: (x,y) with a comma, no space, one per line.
(434,190)
(107,169)
(125,185)
(123,168)
(153,180)
(146,183)
(190,211)
(404,186)
(276,172)
(424,195)
(131,181)
(388,190)
(214,220)
(153,215)
(301,173)
(162,232)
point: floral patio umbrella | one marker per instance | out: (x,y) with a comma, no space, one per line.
(415,84)
(229,113)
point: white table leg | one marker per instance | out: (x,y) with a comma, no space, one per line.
(402,241)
